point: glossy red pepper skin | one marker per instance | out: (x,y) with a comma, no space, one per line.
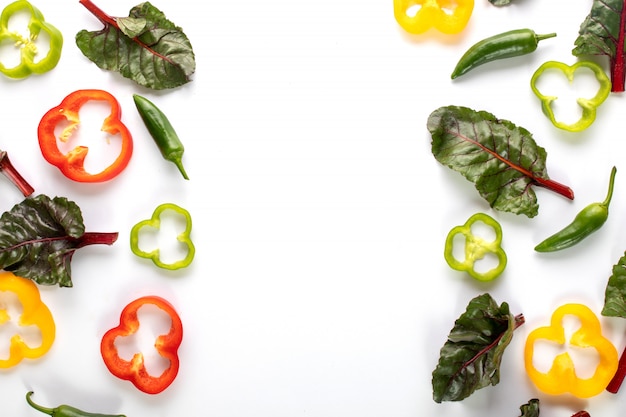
(71,164)
(166,345)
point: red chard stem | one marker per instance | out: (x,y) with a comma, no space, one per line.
(97,238)
(7,168)
(99,13)
(557,187)
(618,378)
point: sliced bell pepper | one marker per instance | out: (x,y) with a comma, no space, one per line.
(71,164)
(166,345)
(34,313)
(28,49)
(447,16)
(476,248)
(562,377)
(588,105)
(155,222)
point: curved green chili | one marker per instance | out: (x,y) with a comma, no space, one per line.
(65,410)
(161,131)
(503,45)
(587,221)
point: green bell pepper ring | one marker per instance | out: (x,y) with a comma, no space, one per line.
(476,248)
(155,222)
(28,49)
(588,105)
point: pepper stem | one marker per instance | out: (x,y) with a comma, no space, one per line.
(179,164)
(7,168)
(545,36)
(46,410)
(609,194)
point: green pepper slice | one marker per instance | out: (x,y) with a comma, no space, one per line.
(588,106)
(28,49)
(155,222)
(476,248)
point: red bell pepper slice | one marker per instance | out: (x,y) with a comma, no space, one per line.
(71,164)
(165,344)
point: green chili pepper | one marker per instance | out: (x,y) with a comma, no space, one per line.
(65,410)
(476,248)
(155,222)
(161,131)
(587,221)
(504,45)
(588,105)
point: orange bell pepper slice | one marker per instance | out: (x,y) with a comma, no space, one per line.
(166,345)
(71,164)
(34,313)
(447,16)
(562,377)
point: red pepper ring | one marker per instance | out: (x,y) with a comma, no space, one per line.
(165,344)
(71,164)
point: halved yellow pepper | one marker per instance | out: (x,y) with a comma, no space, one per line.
(562,377)
(447,16)
(34,313)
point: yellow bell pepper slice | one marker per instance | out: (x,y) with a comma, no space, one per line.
(562,377)
(447,16)
(34,313)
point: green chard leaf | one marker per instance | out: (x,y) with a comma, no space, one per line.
(615,293)
(470,358)
(531,409)
(499,3)
(39,236)
(602,34)
(144,47)
(500,158)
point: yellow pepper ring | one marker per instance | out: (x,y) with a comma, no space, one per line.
(588,106)
(562,378)
(34,313)
(155,222)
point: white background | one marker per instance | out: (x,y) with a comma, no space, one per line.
(319,287)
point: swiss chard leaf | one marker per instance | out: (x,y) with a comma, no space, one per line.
(39,236)
(500,2)
(470,358)
(615,293)
(530,409)
(602,34)
(501,159)
(145,47)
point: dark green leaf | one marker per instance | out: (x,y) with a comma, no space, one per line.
(500,158)
(615,293)
(39,236)
(602,34)
(144,47)
(500,2)
(531,409)
(470,358)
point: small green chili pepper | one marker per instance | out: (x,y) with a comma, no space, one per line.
(504,45)
(155,222)
(161,131)
(588,106)
(587,221)
(65,410)
(476,248)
